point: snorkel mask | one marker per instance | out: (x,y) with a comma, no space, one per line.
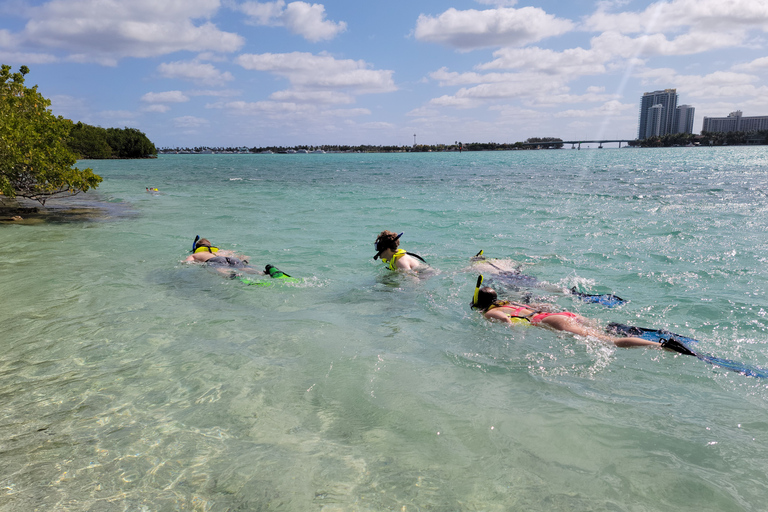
(477,290)
(194,244)
(380,250)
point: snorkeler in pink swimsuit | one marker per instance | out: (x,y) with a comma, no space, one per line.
(487,301)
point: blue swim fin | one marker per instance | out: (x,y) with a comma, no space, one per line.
(607,299)
(683,345)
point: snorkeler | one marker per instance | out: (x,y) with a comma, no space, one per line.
(486,300)
(204,252)
(387,248)
(514,280)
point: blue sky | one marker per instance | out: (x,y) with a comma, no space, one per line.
(247,73)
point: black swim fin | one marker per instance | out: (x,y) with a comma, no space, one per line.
(657,335)
(676,346)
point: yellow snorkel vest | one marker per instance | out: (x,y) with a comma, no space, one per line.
(393,261)
(203,248)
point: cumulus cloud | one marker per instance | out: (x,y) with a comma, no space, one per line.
(277,110)
(301,18)
(106,31)
(711,87)
(156,108)
(473,29)
(572,61)
(703,15)
(313,77)
(325,97)
(199,72)
(165,97)
(610,108)
(677,27)
(189,122)
(760,64)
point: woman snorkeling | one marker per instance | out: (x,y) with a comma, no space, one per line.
(486,300)
(388,249)
(204,252)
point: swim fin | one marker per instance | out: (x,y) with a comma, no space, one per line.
(607,299)
(657,335)
(276,273)
(681,344)
(676,346)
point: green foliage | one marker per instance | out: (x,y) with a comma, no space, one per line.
(95,142)
(130,143)
(35,162)
(87,141)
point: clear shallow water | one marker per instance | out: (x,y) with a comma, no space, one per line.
(131,381)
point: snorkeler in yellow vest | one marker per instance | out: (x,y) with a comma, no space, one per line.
(205,252)
(388,249)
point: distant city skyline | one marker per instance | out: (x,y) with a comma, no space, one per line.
(284,73)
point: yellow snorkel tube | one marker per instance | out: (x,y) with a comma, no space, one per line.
(477,289)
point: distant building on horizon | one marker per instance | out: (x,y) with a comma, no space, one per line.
(683,120)
(735,122)
(658,111)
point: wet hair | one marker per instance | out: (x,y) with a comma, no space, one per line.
(486,297)
(387,240)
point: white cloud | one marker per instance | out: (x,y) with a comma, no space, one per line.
(349,112)
(156,108)
(496,86)
(301,18)
(618,45)
(199,72)
(701,15)
(271,109)
(28,58)
(756,65)
(306,71)
(610,108)
(165,97)
(460,100)
(324,97)
(718,85)
(572,61)
(472,29)
(187,122)
(218,93)
(105,31)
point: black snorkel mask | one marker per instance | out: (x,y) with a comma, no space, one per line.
(380,250)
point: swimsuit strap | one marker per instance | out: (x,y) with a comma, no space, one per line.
(516,307)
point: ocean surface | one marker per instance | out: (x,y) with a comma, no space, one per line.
(131,381)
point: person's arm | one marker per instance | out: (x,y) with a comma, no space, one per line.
(497,314)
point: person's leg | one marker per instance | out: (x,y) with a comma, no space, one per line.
(575,326)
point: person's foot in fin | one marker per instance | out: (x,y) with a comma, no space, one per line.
(675,346)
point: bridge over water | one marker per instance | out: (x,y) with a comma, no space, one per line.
(577,143)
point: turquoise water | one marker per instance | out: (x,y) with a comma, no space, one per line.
(132,381)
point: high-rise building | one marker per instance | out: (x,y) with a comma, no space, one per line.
(655,120)
(735,122)
(683,122)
